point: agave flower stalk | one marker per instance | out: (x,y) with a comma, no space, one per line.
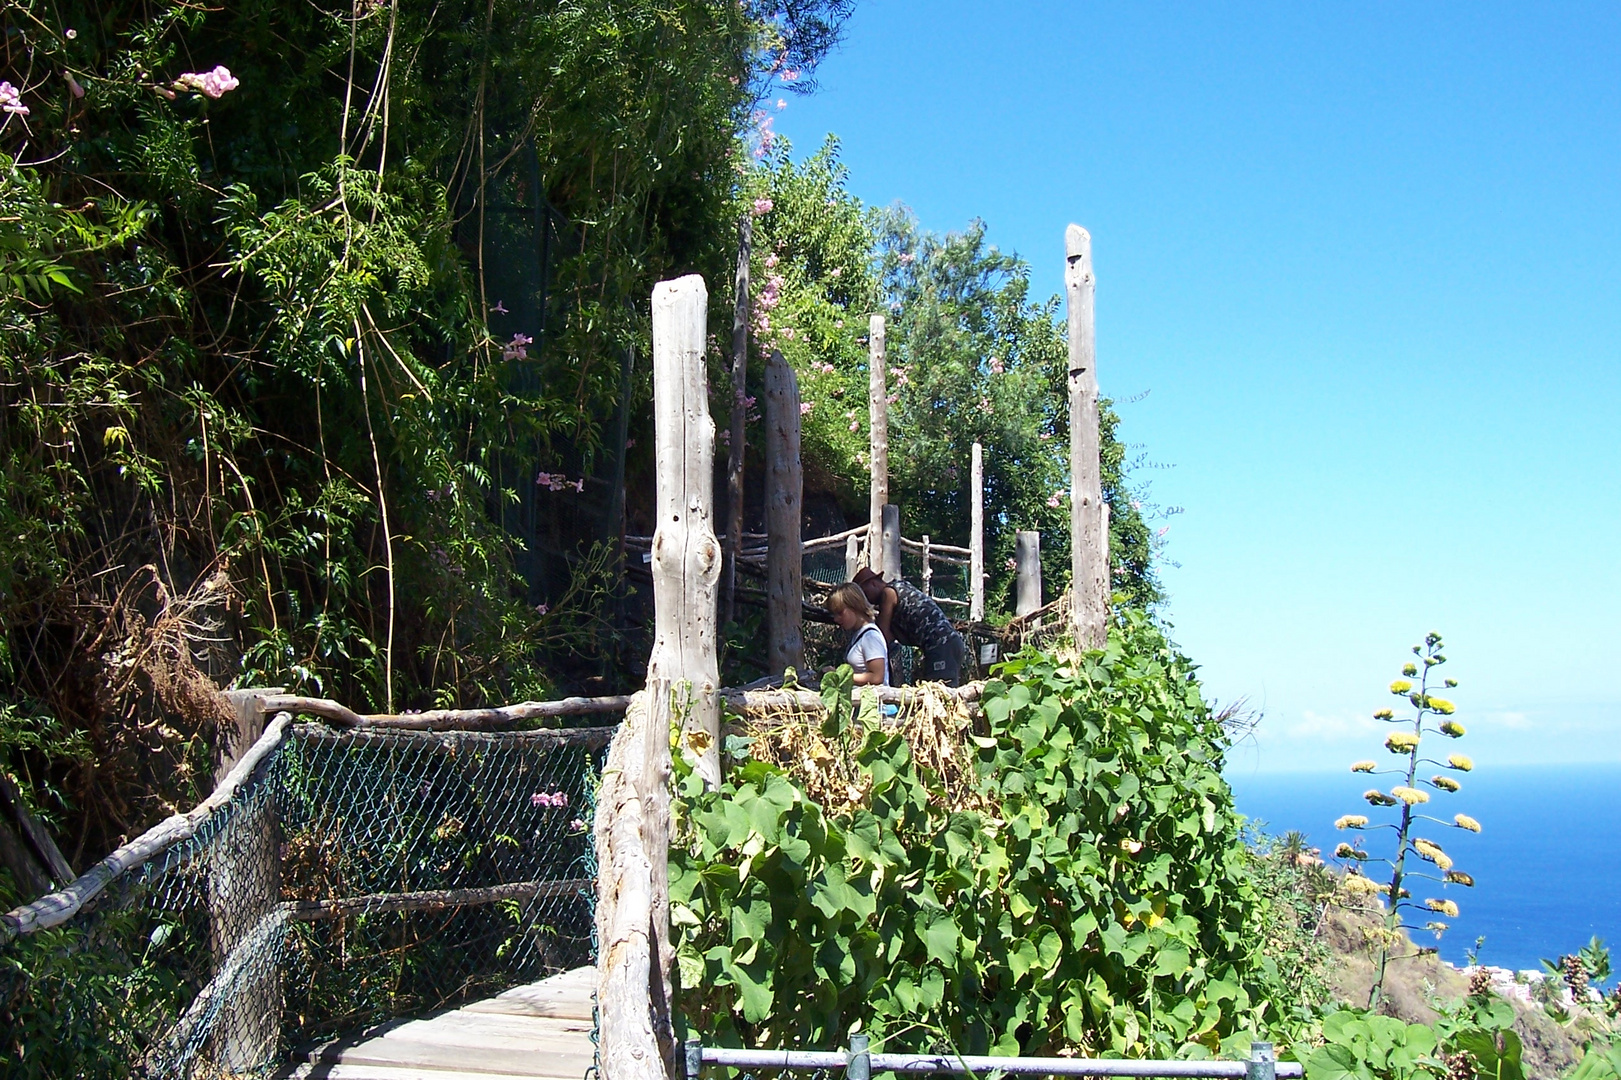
(1432,716)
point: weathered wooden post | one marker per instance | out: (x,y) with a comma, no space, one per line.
(1027,556)
(852,557)
(784,500)
(740,374)
(891,521)
(928,571)
(1089,567)
(976,537)
(636,1038)
(878,422)
(244,885)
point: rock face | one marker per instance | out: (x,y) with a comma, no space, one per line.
(1413,982)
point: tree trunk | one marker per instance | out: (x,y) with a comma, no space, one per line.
(1089,568)
(1027,554)
(878,418)
(784,493)
(891,519)
(734,451)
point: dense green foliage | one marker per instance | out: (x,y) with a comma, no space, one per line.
(1090,892)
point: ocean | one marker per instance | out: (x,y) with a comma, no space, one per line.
(1546,864)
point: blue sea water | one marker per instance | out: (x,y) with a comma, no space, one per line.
(1547,863)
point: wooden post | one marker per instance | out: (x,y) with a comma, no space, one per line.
(891,558)
(784,500)
(878,421)
(1027,555)
(1089,567)
(852,557)
(686,556)
(636,1040)
(244,886)
(740,374)
(928,571)
(976,537)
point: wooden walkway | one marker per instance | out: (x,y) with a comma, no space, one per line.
(539,1030)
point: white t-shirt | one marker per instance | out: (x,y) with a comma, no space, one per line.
(868,644)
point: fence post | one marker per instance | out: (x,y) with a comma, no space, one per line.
(928,571)
(891,519)
(976,537)
(1089,553)
(878,422)
(860,1065)
(695,1058)
(1027,555)
(784,500)
(686,556)
(852,557)
(244,885)
(1263,1062)
(734,451)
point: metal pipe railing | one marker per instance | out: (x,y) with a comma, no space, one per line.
(859,1063)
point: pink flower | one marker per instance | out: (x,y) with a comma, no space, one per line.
(1055,500)
(893,398)
(1045,435)
(854,426)
(762,206)
(771,261)
(789,332)
(1163,531)
(1135,505)
(837,271)
(517,348)
(213,84)
(544,479)
(499,307)
(629,443)
(1012,563)
(839,324)
(985,405)
(577,824)
(790,75)
(541,609)
(11,100)
(906,258)
(579,485)
(805,407)
(827,368)
(781,104)
(996,365)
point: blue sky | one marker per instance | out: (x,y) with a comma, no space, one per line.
(1365,260)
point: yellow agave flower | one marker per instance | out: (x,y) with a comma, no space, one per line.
(1400,687)
(1445,907)
(1383,714)
(1363,766)
(1452,728)
(1378,798)
(1445,783)
(1351,821)
(1464,821)
(1458,877)
(1461,762)
(1410,796)
(1357,885)
(1443,706)
(1431,851)
(1410,670)
(1401,742)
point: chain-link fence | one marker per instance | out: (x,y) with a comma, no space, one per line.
(355,876)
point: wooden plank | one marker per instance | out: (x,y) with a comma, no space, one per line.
(565,997)
(541,1060)
(784,498)
(496,1031)
(345,1071)
(1089,544)
(734,450)
(878,422)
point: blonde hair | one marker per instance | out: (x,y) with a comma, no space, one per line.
(850,596)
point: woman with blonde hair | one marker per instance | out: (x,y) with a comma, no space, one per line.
(867,652)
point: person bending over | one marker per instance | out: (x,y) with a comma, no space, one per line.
(867,651)
(907,616)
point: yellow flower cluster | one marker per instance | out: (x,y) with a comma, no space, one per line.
(1400,687)
(1431,851)
(1357,885)
(1452,728)
(1410,796)
(1445,783)
(1461,762)
(1410,670)
(1378,798)
(1445,907)
(1401,742)
(1442,706)
(1458,877)
(1383,714)
(1363,766)
(1464,821)
(1351,821)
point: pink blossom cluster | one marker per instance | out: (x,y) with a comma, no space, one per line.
(517,348)
(1055,500)
(762,129)
(1012,563)
(805,407)
(213,84)
(790,75)
(826,368)
(997,366)
(902,376)
(764,304)
(577,825)
(906,258)
(548,798)
(763,206)
(557,482)
(893,398)
(771,260)
(11,100)
(985,405)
